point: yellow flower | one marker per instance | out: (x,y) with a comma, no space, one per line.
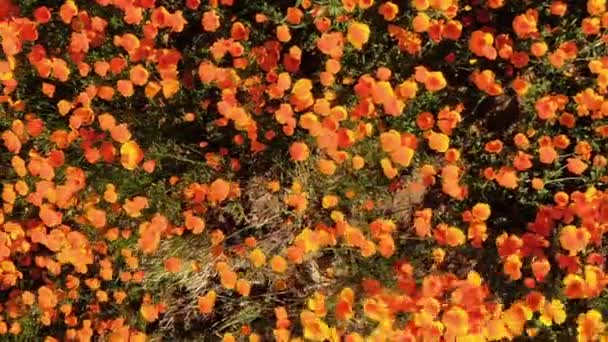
(358,34)
(552,312)
(130,155)
(439,142)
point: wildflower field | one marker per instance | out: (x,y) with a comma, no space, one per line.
(303,170)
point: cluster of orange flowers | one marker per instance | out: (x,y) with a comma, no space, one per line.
(352,133)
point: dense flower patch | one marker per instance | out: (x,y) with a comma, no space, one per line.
(303,170)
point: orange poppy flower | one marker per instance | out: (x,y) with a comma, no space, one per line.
(486,80)
(11,141)
(149,312)
(386,246)
(387,168)
(358,34)
(119,133)
(152,88)
(194,223)
(390,141)
(438,141)
(105,93)
(48,89)
(67,11)
(421,22)
(42,15)
(299,151)
(558,7)
(525,25)
(422,222)
(133,207)
(574,239)
(228,278)
(434,81)
(173,264)
(294,15)
(358,162)
(219,190)
(169,87)
(49,216)
(522,161)
(210,21)
(521,141)
(130,155)
(512,267)
(540,268)
(278,264)
(207,302)
(507,177)
(243,287)
(96,217)
(575,286)
(596,7)
(456,321)
(454,237)
(481,44)
(590,325)
(125,88)
(576,166)
(402,156)
(547,154)
(47,299)
(388,10)
(481,211)
(239,31)
(138,75)
(283,34)
(326,166)
(494,146)
(106,121)
(425,120)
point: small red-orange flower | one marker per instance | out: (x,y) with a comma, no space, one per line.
(388,10)
(494,146)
